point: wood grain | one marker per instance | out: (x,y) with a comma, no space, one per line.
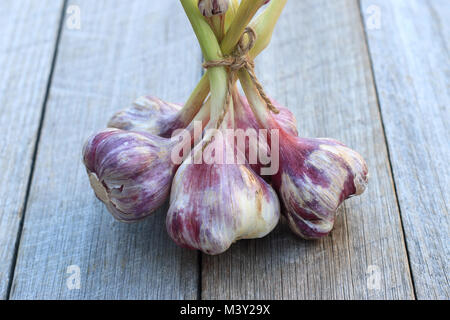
(28,38)
(411,61)
(318,66)
(124,49)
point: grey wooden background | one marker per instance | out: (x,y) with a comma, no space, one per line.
(372,73)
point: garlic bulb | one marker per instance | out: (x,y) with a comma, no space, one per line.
(315,177)
(213,205)
(149,114)
(130,172)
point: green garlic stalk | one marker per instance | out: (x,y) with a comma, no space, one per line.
(212,52)
(264,26)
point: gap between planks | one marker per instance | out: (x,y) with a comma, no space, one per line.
(64,224)
(362,240)
(409,51)
(36,147)
(394,185)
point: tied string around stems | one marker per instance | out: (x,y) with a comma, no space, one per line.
(240,60)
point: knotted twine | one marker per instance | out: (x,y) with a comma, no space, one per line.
(238,60)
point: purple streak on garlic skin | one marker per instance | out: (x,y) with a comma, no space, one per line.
(210,8)
(149,114)
(212,206)
(245,119)
(286,119)
(130,172)
(315,177)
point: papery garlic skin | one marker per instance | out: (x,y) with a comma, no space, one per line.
(131,172)
(315,177)
(286,119)
(149,114)
(245,119)
(212,206)
(210,8)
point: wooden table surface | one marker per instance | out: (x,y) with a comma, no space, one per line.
(374,74)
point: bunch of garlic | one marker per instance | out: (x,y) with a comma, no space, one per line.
(144,159)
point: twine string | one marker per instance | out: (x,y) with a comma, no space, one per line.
(241,60)
(235,62)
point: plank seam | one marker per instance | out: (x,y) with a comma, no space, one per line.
(35,151)
(200,265)
(386,142)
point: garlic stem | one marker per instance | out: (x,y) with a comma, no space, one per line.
(268,19)
(228,122)
(218,25)
(195,101)
(202,115)
(244,15)
(231,14)
(264,25)
(255,101)
(211,50)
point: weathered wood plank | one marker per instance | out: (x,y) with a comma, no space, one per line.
(318,65)
(124,49)
(28,38)
(411,61)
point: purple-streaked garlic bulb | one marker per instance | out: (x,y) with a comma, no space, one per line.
(149,114)
(214,205)
(131,172)
(315,177)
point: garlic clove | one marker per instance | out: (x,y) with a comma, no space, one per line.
(315,177)
(130,172)
(148,114)
(214,205)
